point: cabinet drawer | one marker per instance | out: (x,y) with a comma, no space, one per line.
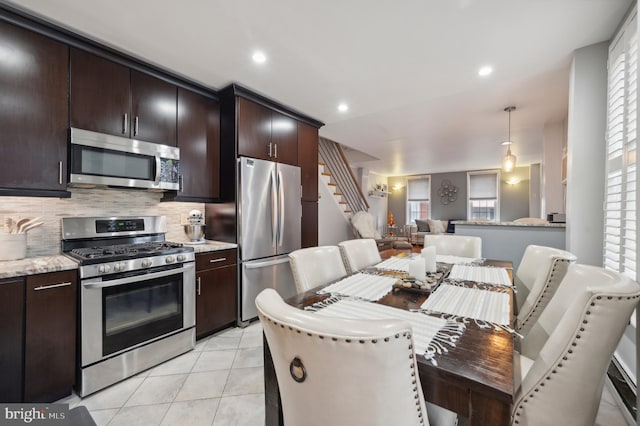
(215,259)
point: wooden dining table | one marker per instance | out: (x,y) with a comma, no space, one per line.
(474,379)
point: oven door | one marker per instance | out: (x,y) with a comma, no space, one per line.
(122,311)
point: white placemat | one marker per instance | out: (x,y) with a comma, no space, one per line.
(395,264)
(456,260)
(481,274)
(484,305)
(430,334)
(363,286)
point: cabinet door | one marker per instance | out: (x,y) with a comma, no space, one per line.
(99,94)
(34,110)
(254,130)
(284,136)
(50,336)
(199,143)
(11,340)
(153,109)
(309,237)
(308,161)
(216,299)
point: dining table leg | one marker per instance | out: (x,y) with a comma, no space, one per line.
(484,410)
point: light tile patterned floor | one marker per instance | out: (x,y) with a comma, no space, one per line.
(220,383)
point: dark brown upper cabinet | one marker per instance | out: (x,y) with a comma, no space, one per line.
(308,160)
(110,98)
(266,134)
(199,143)
(33,113)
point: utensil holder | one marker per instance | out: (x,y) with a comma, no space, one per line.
(13,246)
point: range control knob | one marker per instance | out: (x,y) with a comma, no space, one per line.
(118,267)
(169,259)
(103,269)
(146,263)
(181,258)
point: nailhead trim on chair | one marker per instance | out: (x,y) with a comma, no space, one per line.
(543,295)
(565,357)
(412,365)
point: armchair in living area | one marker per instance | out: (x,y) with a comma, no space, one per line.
(362,225)
(429,226)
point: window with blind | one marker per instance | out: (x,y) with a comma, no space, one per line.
(483,195)
(620,223)
(418,197)
(620,231)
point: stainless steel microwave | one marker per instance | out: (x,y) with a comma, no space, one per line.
(107,160)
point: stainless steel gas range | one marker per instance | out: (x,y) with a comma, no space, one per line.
(137,296)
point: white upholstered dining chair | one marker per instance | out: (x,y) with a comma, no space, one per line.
(540,273)
(455,245)
(314,266)
(334,371)
(560,372)
(358,254)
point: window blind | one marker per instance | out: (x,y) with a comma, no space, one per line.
(419,188)
(620,224)
(483,186)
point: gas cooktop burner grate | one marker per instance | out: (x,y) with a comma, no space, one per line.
(133,250)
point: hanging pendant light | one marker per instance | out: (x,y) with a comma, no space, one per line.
(509,160)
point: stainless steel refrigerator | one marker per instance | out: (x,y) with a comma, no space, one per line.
(269,219)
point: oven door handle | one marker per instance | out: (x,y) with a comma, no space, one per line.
(98,283)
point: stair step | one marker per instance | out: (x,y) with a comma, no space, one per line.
(348,211)
(338,194)
(320,163)
(326,174)
(342,202)
(331,184)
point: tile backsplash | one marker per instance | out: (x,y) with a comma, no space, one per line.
(45,240)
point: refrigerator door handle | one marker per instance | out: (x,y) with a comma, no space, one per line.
(280,208)
(257,265)
(274,208)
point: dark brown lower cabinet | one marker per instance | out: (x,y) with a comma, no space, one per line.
(11,339)
(50,336)
(309,224)
(216,291)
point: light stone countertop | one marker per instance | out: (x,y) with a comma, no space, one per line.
(483,223)
(36,265)
(45,264)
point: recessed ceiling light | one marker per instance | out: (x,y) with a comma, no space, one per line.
(343,107)
(259,57)
(485,71)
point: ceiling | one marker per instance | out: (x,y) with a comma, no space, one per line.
(407,70)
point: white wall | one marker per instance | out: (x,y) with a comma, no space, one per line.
(586,150)
(332,224)
(552,193)
(377,206)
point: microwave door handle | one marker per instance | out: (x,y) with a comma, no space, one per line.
(281,208)
(274,209)
(98,283)
(158,168)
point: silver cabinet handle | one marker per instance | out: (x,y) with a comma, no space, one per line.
(60,172)
(222,259)
(49,287)
(275,150)
(125,123)
(135,127)
(269,149)
(158,170)
(181,184)
(199,283)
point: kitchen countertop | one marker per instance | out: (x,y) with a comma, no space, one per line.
(35,265)
(44,264)
(484,223)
